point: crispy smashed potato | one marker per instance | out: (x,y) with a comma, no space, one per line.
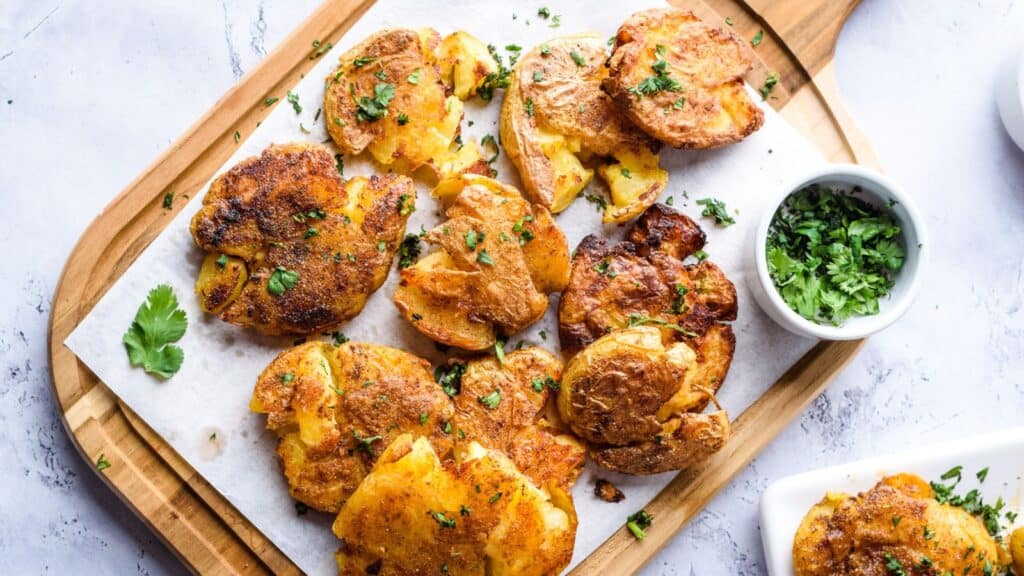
(502,406)
(643,281)
(390,95)
(898,521)
(613,394)
(681,80)
(1017,550)
(290,248)
(556,124)
(498,258)
(650,346)
(336,408)
(414,514)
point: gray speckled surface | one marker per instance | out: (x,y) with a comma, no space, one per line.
(100,88)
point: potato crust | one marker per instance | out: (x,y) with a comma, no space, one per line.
(555,117)
(414,514)
(899,518)
(336,408)
(288,212)
(419,123)
(498,257)
(650,346)
(697,99)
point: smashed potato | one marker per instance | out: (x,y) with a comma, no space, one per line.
(614,394)
(555,122)
(681,80)
(650,346)
(290,248)
(336,408)
(898,521)
(498,258)
(415,514)
(501,405)
(390,95)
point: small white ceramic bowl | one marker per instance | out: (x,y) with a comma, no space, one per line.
(1010,94)
(875,189)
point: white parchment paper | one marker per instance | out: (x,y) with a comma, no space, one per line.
(211,392)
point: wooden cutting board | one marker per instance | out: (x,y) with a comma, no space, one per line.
(192,518)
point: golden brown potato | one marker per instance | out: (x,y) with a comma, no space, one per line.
(336,408)
(389,96)
(643,281)
(681,80)
(898,522)
(498,258)
(465,63)
(291,249)
(414,514)
(615,394)
(555,122)
(501,406)
(1017,550)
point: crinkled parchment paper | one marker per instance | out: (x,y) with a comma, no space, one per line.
(211,392)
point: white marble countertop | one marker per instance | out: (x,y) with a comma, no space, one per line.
(91,92)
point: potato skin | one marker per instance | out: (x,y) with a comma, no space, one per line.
(554,113)
(649,347)
(336,408)
(519,425)
(708,62)
(256,214)
(414,513)
(647,270)
(466,295)
(1017,550)
(845,534)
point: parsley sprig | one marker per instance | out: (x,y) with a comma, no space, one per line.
(157,325)
(831,255)
(372,109)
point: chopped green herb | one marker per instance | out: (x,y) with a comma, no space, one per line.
(544,12)
(414,77)
(831,255)
(158,324)
(626,173)
(484,258)
(982,474)
(222,260)
(488,141)
(577,58)
(282,280)
(406,205)
(373,109)
(310,232)
(494,498)
(769,84)
(380,75)
(362,61)
(338,338)
(491,400)
(545,50)
(538,75)
(320,49)
(168,200)
(499,350)
(381,246)
(728,20)
(364,444)
(499,79)
(339,163)
(528,106)
(269,101)
(301,508)
(757,38)
(102,463)
(641,320)
(450,377)
(423,418)
(442,520)
(661,81)
(638,523)
(893,565)
(293,99)
(287,377)
(716,208)
(408,251)
(402,118)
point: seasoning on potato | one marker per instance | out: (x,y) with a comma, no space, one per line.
(497,260)
(291,249)
(681,80)
(558,127)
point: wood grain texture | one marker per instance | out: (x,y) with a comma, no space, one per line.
(196,522)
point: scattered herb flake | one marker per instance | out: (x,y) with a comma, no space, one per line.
(293,99)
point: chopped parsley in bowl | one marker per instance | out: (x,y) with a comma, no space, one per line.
(832,255)
(839,253)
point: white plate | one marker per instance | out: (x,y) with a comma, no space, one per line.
(785,502)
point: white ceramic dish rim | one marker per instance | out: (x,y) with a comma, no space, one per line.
(1002,447)
(864,325)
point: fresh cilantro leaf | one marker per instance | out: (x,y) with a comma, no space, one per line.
(282,280)
(757,38)
(638,522)
(716,208)
(491,400)
(158,323)
(577,58)
(408,251)
(373,109)
(293,99)
(450,377)
(102,463)
(769,84)
(488,141)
